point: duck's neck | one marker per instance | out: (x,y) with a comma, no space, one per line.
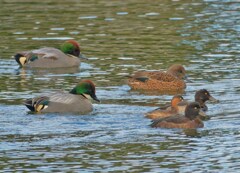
(201,102)
(87,96)
(191,114)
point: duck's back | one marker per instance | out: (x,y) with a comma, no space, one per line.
(177,121)
(158,75)
(160,113)
(155,80)
(66,102)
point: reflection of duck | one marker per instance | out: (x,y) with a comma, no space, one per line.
(49,57)
(172,80)
(189,120)
(75,101)
(169,111)
(43,72)
(158,92)
(201,96)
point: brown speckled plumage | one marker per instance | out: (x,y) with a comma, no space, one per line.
(172,80)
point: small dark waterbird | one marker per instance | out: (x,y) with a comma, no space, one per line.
(168,111)
(188,121)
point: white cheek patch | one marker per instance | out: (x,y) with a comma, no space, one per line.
(87,96)
(72,56)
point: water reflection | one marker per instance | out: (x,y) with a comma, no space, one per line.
(41,72)
(120,37)
(192,133)
(156,92)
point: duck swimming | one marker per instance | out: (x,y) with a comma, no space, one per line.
(77,100)
(168,111)
(188,121)
(67,56)
(201,96)
(171,80)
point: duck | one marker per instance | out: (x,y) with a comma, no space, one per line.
(171,80)
(201,96)
(190,120)
(47,57)
(76,101)
(168,111)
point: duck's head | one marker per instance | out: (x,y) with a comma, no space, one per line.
(72,47)
(175,100)
(21,59)
(178,71)
(85,88)
(203,95)
(193,110)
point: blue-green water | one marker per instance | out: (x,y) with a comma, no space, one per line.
(120,37)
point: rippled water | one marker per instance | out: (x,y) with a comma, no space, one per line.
(120,37)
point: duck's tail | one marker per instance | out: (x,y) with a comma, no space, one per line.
(20,58)
(24,57)
(37,104)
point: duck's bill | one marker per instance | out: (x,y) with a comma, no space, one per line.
(212,99)
(83,56)
(94,97)
(201,113)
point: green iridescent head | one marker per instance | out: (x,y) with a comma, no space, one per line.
(71,47)
(85,88)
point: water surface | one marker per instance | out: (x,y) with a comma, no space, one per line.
(120,37)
